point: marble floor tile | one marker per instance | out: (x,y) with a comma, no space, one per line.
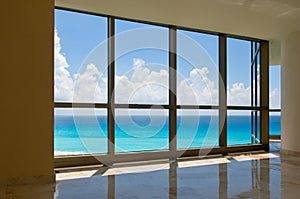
(253,175)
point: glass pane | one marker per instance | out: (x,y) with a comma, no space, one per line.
(80,57)
(275,87)
(197,128)
(197,68)
(142,68)
(275,123)
(239,127)
(80,131)
(238,72)
(141,129)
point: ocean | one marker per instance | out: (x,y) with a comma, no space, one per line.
(85,135)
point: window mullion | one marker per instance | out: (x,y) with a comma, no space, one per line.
(111,85)
(264,92)
(172,89)
(223,91)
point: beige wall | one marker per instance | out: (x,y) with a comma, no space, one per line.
(26,88)
(290,93)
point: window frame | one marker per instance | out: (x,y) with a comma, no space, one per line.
(275,110)
(173,151)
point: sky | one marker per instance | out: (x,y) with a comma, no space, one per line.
(142,64)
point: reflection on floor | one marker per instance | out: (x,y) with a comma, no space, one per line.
(256,175)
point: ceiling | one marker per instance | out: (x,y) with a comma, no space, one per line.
(263,19)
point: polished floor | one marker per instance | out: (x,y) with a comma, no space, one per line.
(255,175)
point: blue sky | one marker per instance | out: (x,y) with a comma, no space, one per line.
(79,34)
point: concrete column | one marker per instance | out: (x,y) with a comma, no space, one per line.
(26,85)
(290,115)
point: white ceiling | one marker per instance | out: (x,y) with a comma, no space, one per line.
(264,19)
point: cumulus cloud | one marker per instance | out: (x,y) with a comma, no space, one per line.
(87,86)
(143,84)
(198,88)
(138,62)
(63,87)
(238,94)
(90,86)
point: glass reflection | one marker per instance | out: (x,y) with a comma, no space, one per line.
(236,176)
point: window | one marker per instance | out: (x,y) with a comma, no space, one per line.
(197,68)
(275,100)
(197,128)
(142,75)
(80,76)
(243,86)
(241,127)
(141,129)
(275,123)
(80,58)
(80,131)
(126,88)
(238,72)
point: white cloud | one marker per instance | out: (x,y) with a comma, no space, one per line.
(138,62)
(238,94)
(142,85)
(198,88)
(90,86)
(63,87)
(87,86)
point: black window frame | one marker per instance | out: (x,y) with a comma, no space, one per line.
(258,48)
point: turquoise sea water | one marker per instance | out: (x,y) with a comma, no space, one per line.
(83,134)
